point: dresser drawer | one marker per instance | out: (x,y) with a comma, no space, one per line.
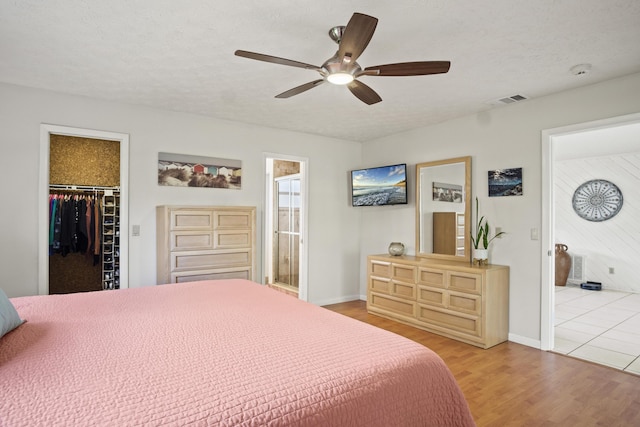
(465,303)
(403,272)
(465,282)
(191,240)
(380,269)
(209,259)
(431,296)
(230,219)
(391,304)
(466,324)
(225,273)
(379,284)
(431,277)
(225,239)
(184,219)
(402,289)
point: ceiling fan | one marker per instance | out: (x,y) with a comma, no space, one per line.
(342,68)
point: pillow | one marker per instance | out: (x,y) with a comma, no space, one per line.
(9,319)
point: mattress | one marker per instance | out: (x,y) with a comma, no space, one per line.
(214,353)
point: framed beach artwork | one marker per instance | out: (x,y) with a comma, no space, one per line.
(182,170)
(505,182)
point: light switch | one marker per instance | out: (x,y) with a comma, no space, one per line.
(135,230)
(534,234)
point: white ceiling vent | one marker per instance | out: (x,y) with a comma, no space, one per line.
(508,100)
(512,99)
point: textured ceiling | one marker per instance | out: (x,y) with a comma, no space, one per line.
(179,55)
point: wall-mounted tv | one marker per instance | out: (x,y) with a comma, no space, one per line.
(379,186)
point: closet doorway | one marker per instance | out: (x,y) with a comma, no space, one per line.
(83,174)
(285,260)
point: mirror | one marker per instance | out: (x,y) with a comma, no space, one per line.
(443,209)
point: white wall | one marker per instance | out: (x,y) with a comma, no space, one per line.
(614,243)
(340,236)
(333,224)
(506,137)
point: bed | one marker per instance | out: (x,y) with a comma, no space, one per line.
(224,352)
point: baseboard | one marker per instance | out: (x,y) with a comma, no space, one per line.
(518,339)
(337,300)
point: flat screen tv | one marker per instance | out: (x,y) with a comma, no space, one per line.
(379,186)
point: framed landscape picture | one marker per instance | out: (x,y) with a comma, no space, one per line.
(505,182)
(181,170)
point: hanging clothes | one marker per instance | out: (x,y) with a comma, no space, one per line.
(75,224)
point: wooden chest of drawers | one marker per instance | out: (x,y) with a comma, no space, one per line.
(457,300)
(204,243)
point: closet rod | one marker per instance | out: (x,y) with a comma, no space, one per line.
(82,187)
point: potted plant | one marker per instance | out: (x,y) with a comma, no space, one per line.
(480,239)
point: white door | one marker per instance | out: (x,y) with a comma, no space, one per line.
(285,230)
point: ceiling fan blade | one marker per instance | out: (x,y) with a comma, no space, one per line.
(302,88)
(420,68)
(357,35)
(275,60)
(363,92)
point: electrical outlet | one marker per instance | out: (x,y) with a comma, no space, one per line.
(612,270)
(498,231)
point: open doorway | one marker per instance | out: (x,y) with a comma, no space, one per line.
(285,260)
(108,257)
(552,142)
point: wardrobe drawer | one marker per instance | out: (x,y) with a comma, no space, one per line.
(431,277)
(225,239)
(191,219)
(444,318)
(465,282)
(379,284)
(391,304)
(191,240)
(380,268)
(225,273)
(209,259)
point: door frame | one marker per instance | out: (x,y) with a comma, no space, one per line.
(267,226)
(551,137)
(46,130)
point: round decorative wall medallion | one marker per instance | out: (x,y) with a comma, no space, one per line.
(597,200)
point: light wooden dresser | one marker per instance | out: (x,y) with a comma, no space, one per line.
(454,299)
(205,243)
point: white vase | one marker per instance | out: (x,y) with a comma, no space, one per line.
(481,256)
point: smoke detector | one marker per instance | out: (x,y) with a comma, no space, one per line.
(580,69)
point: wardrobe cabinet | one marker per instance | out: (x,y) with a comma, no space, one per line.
(448,233)
(205,243)
(454,299)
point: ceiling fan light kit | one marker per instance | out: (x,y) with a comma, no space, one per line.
(342,68)
(340,78)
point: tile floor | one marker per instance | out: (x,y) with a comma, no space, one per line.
(599,326)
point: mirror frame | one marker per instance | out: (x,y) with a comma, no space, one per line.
(467,208)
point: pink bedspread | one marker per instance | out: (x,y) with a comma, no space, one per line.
(222,353)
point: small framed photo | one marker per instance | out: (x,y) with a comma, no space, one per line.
(505,182)
(447,192)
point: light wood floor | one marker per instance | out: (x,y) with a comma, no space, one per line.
(515,385)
